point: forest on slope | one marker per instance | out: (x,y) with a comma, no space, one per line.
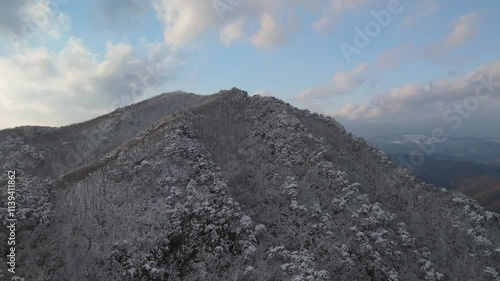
(233,187)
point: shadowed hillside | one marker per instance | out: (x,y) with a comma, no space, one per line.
(483,189)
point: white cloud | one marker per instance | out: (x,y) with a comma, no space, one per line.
(120,14)
(348,81)
(270,34)
(420,101)
(464,29)
(186,21)
(391,58)
(341,83)
(22,20)
(357,111)
(424,8)
(334,10)
(232,32)
(56,88)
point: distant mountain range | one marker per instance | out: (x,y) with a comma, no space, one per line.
(471,165)
(473,150)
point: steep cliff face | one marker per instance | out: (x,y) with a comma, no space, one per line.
(232,187)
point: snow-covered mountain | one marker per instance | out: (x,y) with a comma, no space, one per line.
(231,187)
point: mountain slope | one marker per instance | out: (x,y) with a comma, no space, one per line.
(485,190)
(68,147)
(42,154)
(250,188)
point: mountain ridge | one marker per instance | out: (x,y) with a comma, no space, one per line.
(251,188)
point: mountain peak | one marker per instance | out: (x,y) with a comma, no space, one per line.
(227,187)
(233,93)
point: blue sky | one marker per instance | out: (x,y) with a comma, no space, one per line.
(67,61)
